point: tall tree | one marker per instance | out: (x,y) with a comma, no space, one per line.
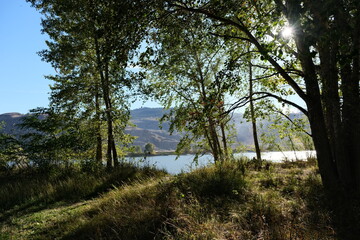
(320,63)
(91,43)
(50,139)
(186,75)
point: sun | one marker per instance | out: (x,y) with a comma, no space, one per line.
(287,32)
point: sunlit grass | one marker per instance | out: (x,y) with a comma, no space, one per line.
(232,201)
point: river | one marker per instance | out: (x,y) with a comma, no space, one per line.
(185,163)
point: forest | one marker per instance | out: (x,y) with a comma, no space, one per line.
(65,177)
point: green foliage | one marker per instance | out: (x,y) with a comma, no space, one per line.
(149,148)
(11,153)
(208,183)
(136,149)
(184,70)
(90,46)
(51,138)
(316,63)
(286,131)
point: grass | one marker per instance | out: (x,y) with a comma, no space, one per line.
(231,201)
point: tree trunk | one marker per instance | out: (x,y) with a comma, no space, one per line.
(217,153)
(224,141)
(327,167)
(111,155)
(211,145)
(313,99)
(253,118)
(351,102)
(98,156)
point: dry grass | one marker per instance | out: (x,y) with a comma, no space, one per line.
(281,201)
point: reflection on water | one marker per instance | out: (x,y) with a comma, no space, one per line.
(185,163)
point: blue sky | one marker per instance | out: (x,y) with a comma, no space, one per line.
(22,82)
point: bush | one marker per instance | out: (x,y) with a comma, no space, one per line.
(225,179)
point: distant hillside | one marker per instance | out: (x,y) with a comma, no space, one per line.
(10,120)
(147,128)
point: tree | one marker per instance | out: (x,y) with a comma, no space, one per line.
(186,75)
(50,139)
(91,43)
(149,148)
(11,151)
(286,131)
(320,63)
(137,149)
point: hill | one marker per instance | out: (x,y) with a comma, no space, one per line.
(9,122)
(147,128)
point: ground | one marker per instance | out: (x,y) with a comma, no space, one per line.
(232,201)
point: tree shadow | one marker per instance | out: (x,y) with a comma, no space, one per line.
(342,212)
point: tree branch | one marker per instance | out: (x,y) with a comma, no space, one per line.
(292,122)
(228,36)
(253,40)
(266,94)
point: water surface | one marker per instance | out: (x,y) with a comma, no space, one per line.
(186,163)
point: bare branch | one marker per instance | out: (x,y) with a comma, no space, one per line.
(293,123)
(267,94)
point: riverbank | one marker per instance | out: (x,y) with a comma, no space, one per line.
(236,201)
(167,153)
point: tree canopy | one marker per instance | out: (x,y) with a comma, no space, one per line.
(198,54)
(320,62)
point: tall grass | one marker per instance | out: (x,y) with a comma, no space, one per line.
(234,200)
(216,202)
(34,186)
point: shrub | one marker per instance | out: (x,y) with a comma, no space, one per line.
(224,179)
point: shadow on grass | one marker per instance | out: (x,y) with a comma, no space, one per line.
(166,207)
(33,190)
(132,212)
(277,203)
(340,212)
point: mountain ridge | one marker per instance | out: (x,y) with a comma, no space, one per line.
(147,128)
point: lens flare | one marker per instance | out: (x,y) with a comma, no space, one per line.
(287,32)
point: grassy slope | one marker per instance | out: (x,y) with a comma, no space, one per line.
(282,201)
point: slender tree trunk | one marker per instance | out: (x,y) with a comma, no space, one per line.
(215,141)
(252,113)
(112,153)
(103,69)
(211,145)
(224,141)
(327,167)
(98,127)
